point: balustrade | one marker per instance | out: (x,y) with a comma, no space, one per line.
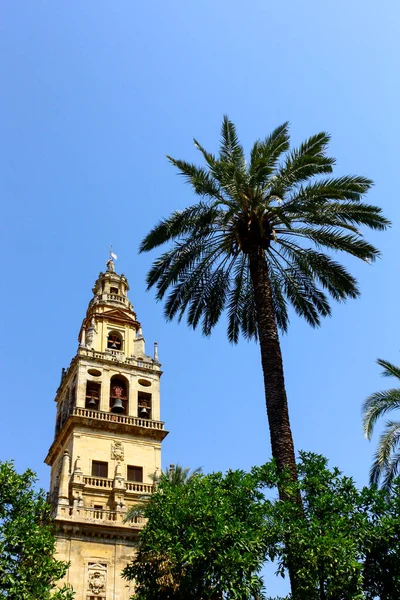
(98,482)
(141,488)
(115,418)
(117,298)
(116,356)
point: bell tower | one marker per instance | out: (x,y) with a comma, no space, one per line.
(107,442)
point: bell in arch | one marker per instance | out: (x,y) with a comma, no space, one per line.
(92,402)
(117,406)
(144,412)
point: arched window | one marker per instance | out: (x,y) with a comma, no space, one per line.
(114,341)
(119,395)
(92,395)
(144,405)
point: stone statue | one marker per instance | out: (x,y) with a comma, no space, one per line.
(110,265)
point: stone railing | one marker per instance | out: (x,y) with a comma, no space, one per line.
(117,298)
(115,418)
(117,356)
(99,482)
(138,488)
(134,487)
(98,516)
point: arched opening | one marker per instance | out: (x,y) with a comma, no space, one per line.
(119,395)
(92,395)
(114,341)
(144,405)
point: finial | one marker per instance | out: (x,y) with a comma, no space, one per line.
(110,263)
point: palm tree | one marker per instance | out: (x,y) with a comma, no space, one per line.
(387,457)
(176,474)
(253,243)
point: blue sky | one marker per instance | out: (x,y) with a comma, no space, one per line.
(94,95)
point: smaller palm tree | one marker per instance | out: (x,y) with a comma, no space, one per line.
(387,457)
(176,475)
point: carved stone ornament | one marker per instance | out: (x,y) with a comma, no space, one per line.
(117,451)
(97,579)
(97,582)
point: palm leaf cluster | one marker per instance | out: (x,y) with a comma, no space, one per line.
(387,457)
(282,203)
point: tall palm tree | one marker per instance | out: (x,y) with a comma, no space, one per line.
(387,457)
(253,243)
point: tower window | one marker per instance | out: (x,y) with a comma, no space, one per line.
(99,468)
(113,290)
(134,474)
(144,405)
(92,395)
(114,341)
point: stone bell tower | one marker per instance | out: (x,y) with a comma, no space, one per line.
(107,442)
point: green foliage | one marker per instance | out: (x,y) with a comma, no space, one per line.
(28,570)
(283,205)
(210,537)
(203,539)
(387,457)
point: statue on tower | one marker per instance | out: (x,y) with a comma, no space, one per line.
(110,263)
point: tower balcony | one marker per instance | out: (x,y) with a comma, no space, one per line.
(95,516)
(105,421)
(97,417)
(118,356)
(130,487)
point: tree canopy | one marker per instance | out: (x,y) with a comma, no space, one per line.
(210,537)
(28,569)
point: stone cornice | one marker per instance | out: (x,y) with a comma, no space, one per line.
(104,421)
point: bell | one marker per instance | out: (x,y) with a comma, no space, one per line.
(117,406)
(114,345)
(144,412)
(92,401)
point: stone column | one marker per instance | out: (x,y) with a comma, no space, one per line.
(105,391)
(63,494)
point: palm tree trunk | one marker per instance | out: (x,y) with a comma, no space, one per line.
(272,365)
(275,393)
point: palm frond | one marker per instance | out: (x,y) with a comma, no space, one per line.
(231,150)
(278,299)
(376,406)
(185,280)
(334,238)
(208,299)
(389,369)
(332,276)
(303,163)
(392,471)
(265,154)
(174,263)
(307,300)
(201,180)
(388,444)
(348,187)
(194,218)
(242,314)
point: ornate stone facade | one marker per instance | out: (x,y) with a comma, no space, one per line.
(107,442)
